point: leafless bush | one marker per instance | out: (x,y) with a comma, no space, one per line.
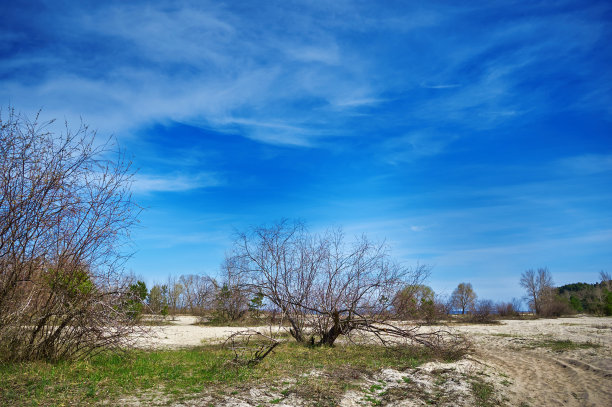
(482,311)
(326,287)
(507,309)
(556,306)
(65,211)
(250,347)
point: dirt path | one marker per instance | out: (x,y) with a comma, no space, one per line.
(542,377)
(542,380)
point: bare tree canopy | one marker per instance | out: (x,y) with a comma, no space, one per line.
(463,297)
(65,213)
(325,286)
(606,280)
(538,286)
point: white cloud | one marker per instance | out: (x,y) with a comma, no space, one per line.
(144,184)
(441,86)
(206,63)
(414,145)
(587,164)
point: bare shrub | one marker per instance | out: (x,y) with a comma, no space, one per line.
(507,309)
(250,347)
(482,311)
(326,287)
(556,306)
(65,212)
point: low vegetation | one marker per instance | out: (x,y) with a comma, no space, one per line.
(65,216)
(177,374)
(589,298)
(557,345)
(484,393)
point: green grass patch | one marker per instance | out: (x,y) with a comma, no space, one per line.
(177,374)
(564,345)
(483,393)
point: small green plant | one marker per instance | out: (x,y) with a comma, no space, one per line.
(373,401)
(440,380)
(375,387)
(483,393)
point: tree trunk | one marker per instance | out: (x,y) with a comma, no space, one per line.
(332,334)
(296,332)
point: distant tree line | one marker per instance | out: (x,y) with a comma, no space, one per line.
(233,296)
(214,300)
(549,301)
(589,298)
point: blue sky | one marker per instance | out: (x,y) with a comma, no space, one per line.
(473,138)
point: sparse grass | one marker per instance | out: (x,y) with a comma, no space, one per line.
(564,345)
(180,374)
(483,393)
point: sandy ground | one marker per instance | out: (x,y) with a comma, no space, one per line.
(184,333)
(508,355)
(540,376)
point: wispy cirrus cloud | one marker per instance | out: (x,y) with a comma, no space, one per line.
(122,66)
(587,164)
(409,147)
(147,183)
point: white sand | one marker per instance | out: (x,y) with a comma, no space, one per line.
(183,333)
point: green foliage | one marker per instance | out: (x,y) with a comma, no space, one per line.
(608,304)
(137,293)
(590,298)
(576,304)
(256,304)
(72,283)
(139,290)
